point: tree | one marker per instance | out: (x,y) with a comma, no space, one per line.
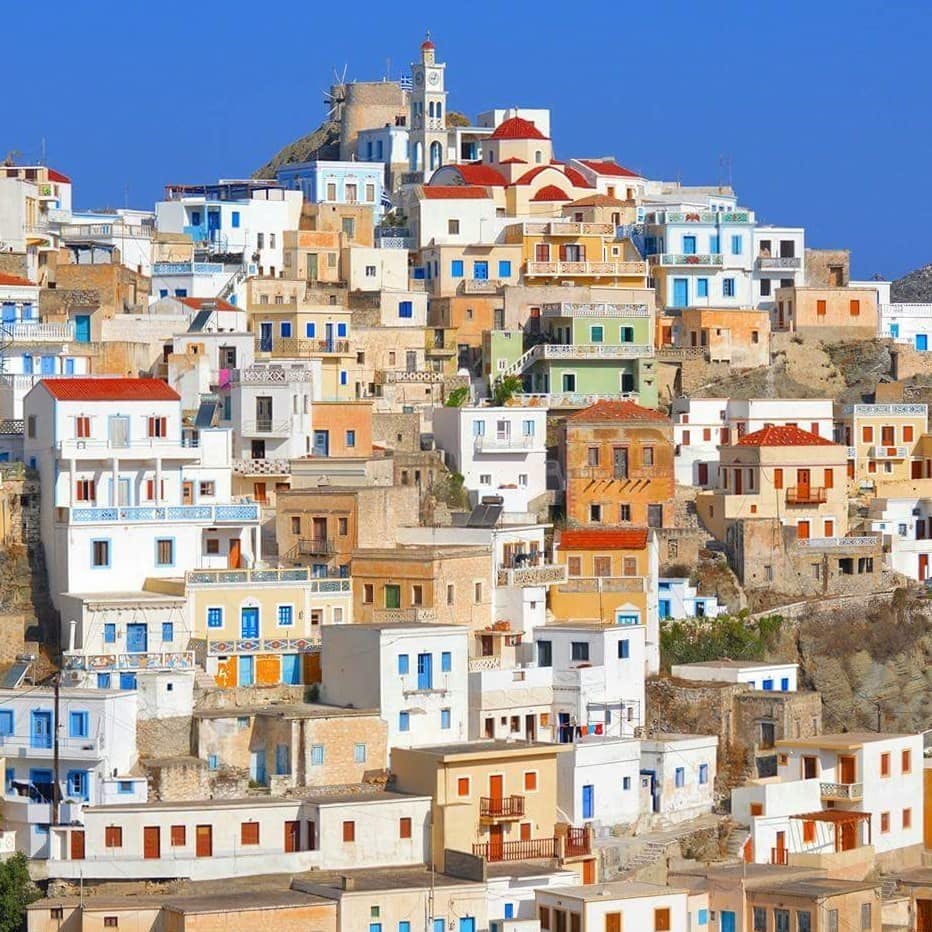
(17,891)
(457,397)
(505,389)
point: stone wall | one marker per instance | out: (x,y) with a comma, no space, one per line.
(400,432)
(176,779)
(243,696)
(164,737)
(368,105)
(14,263)
(908,362)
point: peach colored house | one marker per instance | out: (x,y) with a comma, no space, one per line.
(805,308)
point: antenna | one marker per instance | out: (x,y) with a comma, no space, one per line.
(724,164)
(42,146)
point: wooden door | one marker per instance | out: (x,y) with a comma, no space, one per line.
(613,922)
(234,554)
(803,483)
(923,915)
(588,871)
(259,492)
(810,768)
(77,845)
(780,854)
(204,841)
(496,842)
(187,493)
(849,836)
(496,786)
(703,474)
(739,481)
(292,837)
(846,769)
(802,530)
(151,842)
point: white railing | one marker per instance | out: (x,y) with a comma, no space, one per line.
(885,410)
(156,660)
(161,445)
(272,375)
(571,309)
(268,426)
(262,467)
(422,376)
(568,228)
(888,453)
(682,258)
(826,543)
(481,664)
(586,268)
(592,350)
(841,790)
(570,399)
(504,444)
(906,310)
(482,285)
(27,332)
(26,746)
(246,512)
(779,262)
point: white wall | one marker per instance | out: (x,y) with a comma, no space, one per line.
(665,756)
(611,767)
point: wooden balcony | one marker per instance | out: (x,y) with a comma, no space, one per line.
(503,809)
(533,848)
(315,546)
(798,495)
(578,843)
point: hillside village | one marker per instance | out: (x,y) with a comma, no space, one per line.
(439,531)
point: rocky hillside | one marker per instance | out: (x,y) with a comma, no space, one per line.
(323,143)
(913,288)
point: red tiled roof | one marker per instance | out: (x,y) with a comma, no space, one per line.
(532,173)
(783,436)
(481,174)
(14,280)
(550,192)
(576,178)
(427,44)
(58,176)
(218,303)
(604,539)
(438,192)
(104,389)
(513,161)
(618,411)
(516,128)
(607,168)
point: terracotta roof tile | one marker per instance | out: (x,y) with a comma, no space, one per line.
(576,178)
(550,192)
(105,389)
(513,161)
(516,128)
(604,539)
(602,167)
(58,176)
(476,173)
(15,280)
(439,192)
(783,436)
(598,200)
(618,411)
(219,304)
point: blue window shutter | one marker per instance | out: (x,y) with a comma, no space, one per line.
(404,721)
(286,328)
(310,330)
(402,664)
(785,684)
(341,330)
(235,219)
(344,378)
(444,718)
(109,633)
(6,722)
(736,245)
(446,662)
(714,243)
(168,631)
(504,268)
(456,268)
(702,287)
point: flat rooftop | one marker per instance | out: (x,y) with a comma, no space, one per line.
(840,742)
(365,880)
(817,887)
(614,890)
(130,595)
(486,748)
(286,710)
(732,665)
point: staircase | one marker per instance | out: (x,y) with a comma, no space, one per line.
(523,362)
(236,279)
(734,847)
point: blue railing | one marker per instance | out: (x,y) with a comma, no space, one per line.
(187,268)
(248,511)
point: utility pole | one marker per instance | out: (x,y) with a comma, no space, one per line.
(56,792)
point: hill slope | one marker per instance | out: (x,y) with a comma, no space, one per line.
(323,143)
(913,288)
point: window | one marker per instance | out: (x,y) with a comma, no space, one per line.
(662,919)
(31,426)
(592,456)
(85,490)
(574,566)
(906,761)
(624,649)
(485,478)
(177,836)
(445,719)
(854,308)
(77,784)
(462,786)
(82,427)
(477,592)
(884,822)
(765,287)
(624,512)
(760,919)
(317,755)
(310,329)
(406,309)
(351,438)
(349,832)
(165,551)
(113,836)
(402,664)
(866,923)
(359,754)
(907,818)
(446,661)
(158,427)
(417,595)
(451,593)
(579,650)
(285,615)
(703,774)
(249,833)
(78,725)
(885,764)
(778,478)
(453,227)
(702,288)
(530,781)
(206,489)
(368,593)
(109,633)
(596,333)
(737,245)
(111,922)
(647,456)
(456,268)
(626,783)
(544,916)
(504,268)
(404,721)
(100,554)
(820,308)
(832,921)
(728,287)
(404,827)
(679,777)
(215,617)
(595,513)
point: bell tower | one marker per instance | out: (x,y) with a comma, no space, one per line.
(428,118)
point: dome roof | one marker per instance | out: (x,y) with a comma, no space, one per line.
(516,128)
(550,192)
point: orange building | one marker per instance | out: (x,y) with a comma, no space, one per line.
(343,428)
(739,336)
(618,463)
(827,308)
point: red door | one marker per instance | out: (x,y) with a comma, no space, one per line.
(77,846)
(780,850)
(204,841)
(802,530)
(292,836)
(923,566)
(496,843)
(703,474)
(151,842)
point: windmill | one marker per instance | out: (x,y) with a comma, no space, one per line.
(336,96)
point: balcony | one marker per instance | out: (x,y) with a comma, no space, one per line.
(297,348)
(592,350)
(586,269)
(842,791)
(779,262)
(575,309)
(577,584)
(532,574)
(504,809)
(418,377)
(92,448)
(887,453)
(267,427)
(244,513)
(269,375)
(578,843)
(438,346)
(101,663)
(186,268)
(532,849)
(404,615)
(249,577)
(483,285)
(805,496)
(315,546)
(309,644)
(13,746)
(34,332)
(567,228)
(569,400)
(839,543)
(685,259)
(261,467)
(499,444)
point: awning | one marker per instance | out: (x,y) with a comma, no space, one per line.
(836,816)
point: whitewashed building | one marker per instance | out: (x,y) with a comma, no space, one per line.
(500,452)
(677,599)
(679,774)
(768,677)
(415,673)
(779,262)
(599,781)
(906,526)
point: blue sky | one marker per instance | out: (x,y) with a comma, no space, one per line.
(821,107)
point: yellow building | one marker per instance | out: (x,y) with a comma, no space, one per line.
(883,441)
(610,573)
(493,799)
(784,473)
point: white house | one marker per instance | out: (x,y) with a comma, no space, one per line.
(677,599)
(415,673)
(442,216)
(127,494)
(599,781)
(322,182)
(219,838)
(500,452)
(779,262)
(96,733)
(129,231)
(369,268)
(906,526)
(598,677)
(767,677)
(512,897)
(679,774)
(838,799)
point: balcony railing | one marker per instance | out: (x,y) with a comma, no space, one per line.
(578,842)
(295,347)
(187,268)
(683,258)
(221,577)
(804,496)
(29,332)
(482,285)
(574,309)
(404,615)
(543,574)
(245,513)
(506,807)
(835,543)
(567,228)
(516,444)
(603,584)
(888,453)
(592,350)
(850,791)
(38,746)
(779,262)
(157,660)
(309,644)
(271,375)
(569,399)
(315,546)
(419,377)
(596,269)
(885,410)
(533,848)
(265,425)
(107,448)
(261,467)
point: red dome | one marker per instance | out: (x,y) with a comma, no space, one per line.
(516,128)
(550,192)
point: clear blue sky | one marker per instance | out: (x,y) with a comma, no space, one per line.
(821,106)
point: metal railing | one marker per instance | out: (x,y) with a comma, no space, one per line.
(484,444)
(505,807)
(246,512)
(682,258)
(531,849)
(315,546)
(574,309)
(221,577)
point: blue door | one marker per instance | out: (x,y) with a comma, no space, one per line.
(291,669)
(480,271)
(40,730)
(689,245)
(27,364)
(47,365)
(247,670)
(425,672)
(69,366)
(922,341)
(894,330)
(137,638)
(249,623)
(680,292)
(127,681)
(82,328)
(282,759)
(728,921)
(588,801)
(329,338)
(467,924)
(664,608)
(265,336)
(257,765)
(321,443)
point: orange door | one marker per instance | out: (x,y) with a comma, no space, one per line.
(151,842)
(259,493)
(187,493)
(923,915)
(780,857)
(496,842)
(803,484)
(923,566)
(496,786)
(849,836)
(802,530)
(846,769)
(588,871)
(292,836)
(234,557)
(204,841)
(829,528)
(77,846)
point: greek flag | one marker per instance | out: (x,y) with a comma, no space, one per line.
(387,200)
(405,83)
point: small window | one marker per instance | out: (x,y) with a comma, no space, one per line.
(679,777)
(403,665)
(286,615)
(624,649)
(907,818)
(249,833)
(368,594)
(349,832)
(351,438)
(317,755)
(884,822)
(462,786)
(78,725)
(662,919)
(446,661)
(207,489)
(212,545)
(885,764)
(215,617)
(178,834)
(113,836)
(359,754)
(445,719)
(165,552)
(477,592)
(579,650)
(404,721)
(111,922)
(703,774)
(57,912)
(404,827)
(100,554)
(592,456)
(530,781)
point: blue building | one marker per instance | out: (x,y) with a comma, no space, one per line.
(337,182)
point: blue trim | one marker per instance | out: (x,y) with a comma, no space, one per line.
(6,723)
(101,566)
(446,661)
(78,725)
(109,633)
(125,786)
(285,615)
(679,777)
(404,721)
(444,718)
(103,680)
(402,664)
(215,617)
(77,784)
(168,632)
(40,737)
(160,540)
(310,329)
